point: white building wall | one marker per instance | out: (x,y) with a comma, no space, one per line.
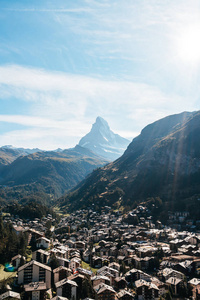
(48,279)
(59,291)
(35,277)
(56,277)
(34,256)
(17,262)
(35,295)
(74,292)
(20,277)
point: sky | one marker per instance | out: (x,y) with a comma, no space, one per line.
(63,63)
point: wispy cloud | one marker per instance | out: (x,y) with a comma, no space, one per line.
(47,10)
(33,121)
(141,33)
(68,104)
(137,30)
(125,52)
(39,137)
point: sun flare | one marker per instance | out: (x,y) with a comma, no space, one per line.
(188,44)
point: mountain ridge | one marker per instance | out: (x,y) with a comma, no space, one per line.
(27,172)
(156,163)
(47,172)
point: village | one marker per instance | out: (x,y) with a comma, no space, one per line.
(107,255)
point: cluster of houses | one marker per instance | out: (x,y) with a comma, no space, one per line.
(101,256)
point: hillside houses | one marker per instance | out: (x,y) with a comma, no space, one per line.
(129,261)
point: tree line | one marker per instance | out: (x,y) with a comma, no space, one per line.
(11,244)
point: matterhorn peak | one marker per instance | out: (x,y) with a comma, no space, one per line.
(103,141)
(100,120)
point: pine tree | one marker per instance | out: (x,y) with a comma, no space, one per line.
(168,296)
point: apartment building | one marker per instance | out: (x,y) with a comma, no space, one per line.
(34,271)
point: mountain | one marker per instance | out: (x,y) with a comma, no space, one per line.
(102,141)
(9,153)
(163,161)
(47,173)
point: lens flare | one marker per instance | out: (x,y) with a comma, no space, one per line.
(188,44)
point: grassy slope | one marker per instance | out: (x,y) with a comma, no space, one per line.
(6,275)
(87,267)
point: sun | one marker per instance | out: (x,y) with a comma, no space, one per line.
(188,44)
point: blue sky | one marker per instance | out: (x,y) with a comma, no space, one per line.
(63,63)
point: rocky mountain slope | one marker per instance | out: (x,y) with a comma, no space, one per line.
(47,175)
(163,161)
(102,141)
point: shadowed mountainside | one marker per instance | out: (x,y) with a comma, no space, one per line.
(163,161)
(48,172)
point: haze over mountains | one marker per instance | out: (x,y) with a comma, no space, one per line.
(8,154)
(54,172)
(163,161)
(49,174)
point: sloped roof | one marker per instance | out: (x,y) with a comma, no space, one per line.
(173,280)
(10,294)
(35,286)
(65,281)
(102,287)
(34,262)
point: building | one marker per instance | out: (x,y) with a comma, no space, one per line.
(35,290)
(10,295)
(176,284)
(61,273)
(41,256)
(104,292)
(34,271)
(17,261)
(125,295)
(43,242)
(146,290)
(66,288)
(96,280)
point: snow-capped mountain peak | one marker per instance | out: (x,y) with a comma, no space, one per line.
(103,141)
